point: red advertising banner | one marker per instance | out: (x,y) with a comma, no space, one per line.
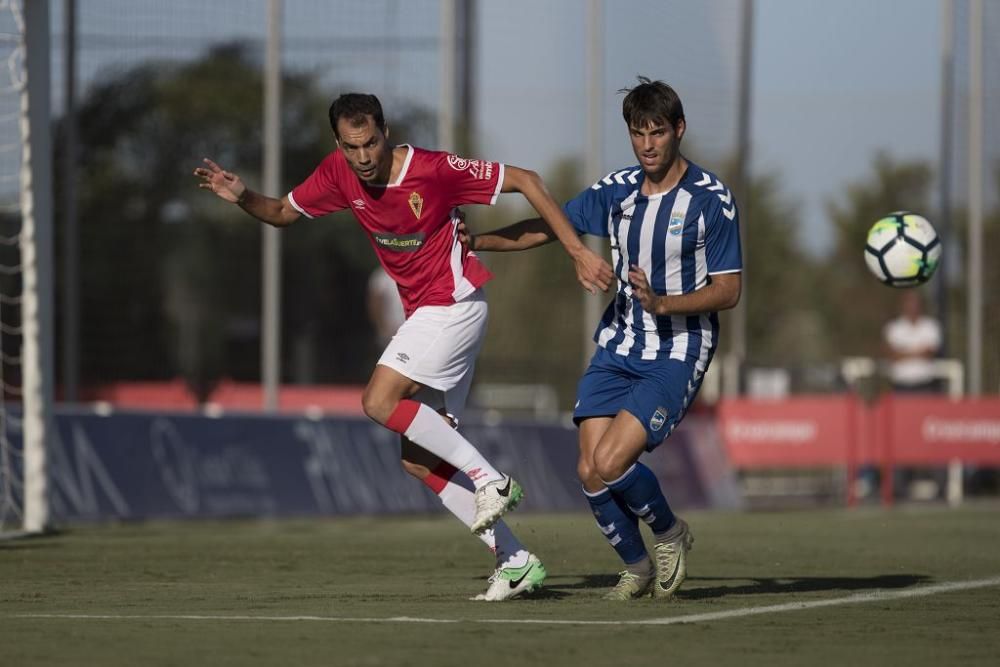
(926,430)
(793,432)
(840,430)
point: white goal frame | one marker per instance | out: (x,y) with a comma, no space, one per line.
(36,250)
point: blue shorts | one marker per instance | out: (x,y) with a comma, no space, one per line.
(656,392)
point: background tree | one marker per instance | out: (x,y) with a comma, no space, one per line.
(782,325)
(536,330)
(957,332)
(170,283)
(853,305)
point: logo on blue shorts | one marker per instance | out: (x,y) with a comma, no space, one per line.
(658,419)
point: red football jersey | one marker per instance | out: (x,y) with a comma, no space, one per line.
(410,221)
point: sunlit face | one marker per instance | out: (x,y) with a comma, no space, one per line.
(365,148)
(656,146)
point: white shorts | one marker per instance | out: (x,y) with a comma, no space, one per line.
(437,347)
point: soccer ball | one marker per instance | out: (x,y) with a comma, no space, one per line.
(902,249)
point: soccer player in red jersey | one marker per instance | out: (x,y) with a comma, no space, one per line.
(404,197)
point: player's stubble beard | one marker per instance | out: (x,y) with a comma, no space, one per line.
(671,154)
(382,171)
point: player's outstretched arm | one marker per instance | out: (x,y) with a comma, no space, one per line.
(591,270)
(522,235)
(230,187)
(721,294)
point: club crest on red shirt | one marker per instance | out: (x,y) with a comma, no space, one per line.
(416,204)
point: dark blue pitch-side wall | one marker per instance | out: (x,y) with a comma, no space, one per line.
(132,465)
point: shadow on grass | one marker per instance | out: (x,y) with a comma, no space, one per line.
(11,541)
(757,586)
(586,581)
(742,585)
(547,592)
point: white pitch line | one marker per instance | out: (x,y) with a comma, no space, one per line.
(870,596)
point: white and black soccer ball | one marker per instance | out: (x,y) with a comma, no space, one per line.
(902,249)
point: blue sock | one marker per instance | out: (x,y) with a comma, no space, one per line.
(619,525)
(641,492)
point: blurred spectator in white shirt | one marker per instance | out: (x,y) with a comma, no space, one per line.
(912,341)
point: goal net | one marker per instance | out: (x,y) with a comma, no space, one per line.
(11,88)
(25,268)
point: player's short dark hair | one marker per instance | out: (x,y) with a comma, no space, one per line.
(651,102)
(354,107)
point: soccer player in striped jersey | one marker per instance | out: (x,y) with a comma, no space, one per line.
(675,246)
(404,198)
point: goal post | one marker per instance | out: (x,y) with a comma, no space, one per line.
(37,259)
(36,242)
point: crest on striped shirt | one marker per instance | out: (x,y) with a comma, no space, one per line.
(676,224)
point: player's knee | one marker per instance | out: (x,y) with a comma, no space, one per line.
(376,405)
(587,472)
(609,464)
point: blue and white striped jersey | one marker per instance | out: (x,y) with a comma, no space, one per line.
(679,238)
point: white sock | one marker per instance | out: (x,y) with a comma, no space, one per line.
(460,501)
(434,434)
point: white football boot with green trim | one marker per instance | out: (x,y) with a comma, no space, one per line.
(671,560)
(493,500)
(508,582)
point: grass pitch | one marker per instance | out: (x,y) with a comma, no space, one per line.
(267,593)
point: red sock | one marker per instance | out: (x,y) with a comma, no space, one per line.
(423,426)
(402,416)
(439,477)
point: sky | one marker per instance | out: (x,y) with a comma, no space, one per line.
(851,78)
(833,81)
